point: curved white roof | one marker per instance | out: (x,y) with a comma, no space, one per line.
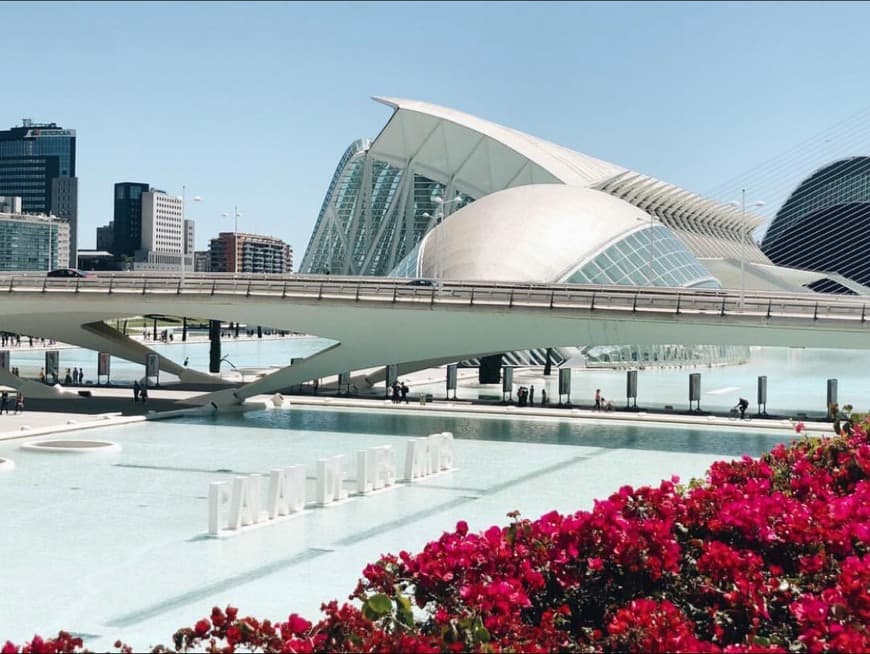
(565,166)
(530,233)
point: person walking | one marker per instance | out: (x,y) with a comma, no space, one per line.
(143,393)
(4,402)
(532,396)
(404,389)
(136,390)
(81,376)
(598,399)
(19,403)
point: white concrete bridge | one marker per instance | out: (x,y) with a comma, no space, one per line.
(379,321)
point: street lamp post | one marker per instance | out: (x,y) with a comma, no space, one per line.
(235,215)
(195,198)
(743,236)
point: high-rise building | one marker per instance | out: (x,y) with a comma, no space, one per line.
(163,232)
(38,164)
(106,237)
(254,254)
(189,236)
(149,229)
(36,243)
(202,261)
(128,218)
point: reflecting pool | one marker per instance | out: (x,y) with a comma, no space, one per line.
(116,545)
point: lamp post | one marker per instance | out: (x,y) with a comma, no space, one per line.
(440,214)
(743,235)
(235,215)
(195,198)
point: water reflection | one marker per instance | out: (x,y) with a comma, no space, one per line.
(515,430)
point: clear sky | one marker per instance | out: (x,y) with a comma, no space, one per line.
(252,104)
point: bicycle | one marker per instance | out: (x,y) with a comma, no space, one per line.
(734,414)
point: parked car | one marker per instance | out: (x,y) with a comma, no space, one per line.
(68,272)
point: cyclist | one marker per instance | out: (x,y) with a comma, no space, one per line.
(742,405)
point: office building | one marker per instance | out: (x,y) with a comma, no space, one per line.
(202,261)
(33,243)
(189,237)
(106,237)
(127,234)
(38,164)
(149,230)
(163,232)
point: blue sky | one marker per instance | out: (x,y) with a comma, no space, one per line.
(252,104)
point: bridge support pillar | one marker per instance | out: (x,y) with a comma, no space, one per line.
(214,350)
(489,371)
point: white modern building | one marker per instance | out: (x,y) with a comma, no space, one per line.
(167,236)
(440,193)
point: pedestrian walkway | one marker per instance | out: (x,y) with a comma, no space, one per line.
(113,405)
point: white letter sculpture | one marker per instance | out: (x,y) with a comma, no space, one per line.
(286,491)
(330,475)
(245,502)
(375,469)
(425,457)
(218,506)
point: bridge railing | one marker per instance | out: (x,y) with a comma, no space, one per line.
(635,300)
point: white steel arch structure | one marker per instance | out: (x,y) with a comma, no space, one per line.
(384,195)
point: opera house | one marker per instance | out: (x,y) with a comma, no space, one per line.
(442,194)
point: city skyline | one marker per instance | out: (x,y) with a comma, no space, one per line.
(252,105)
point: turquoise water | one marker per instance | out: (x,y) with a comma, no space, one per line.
(115,545)
(243,352)
(796,377)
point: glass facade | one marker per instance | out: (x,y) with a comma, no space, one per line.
(639,356)
(26,244)
(822,225)
(30,157)
(374,215)
(38,164)
(410,265)
(127,237)
(652,256)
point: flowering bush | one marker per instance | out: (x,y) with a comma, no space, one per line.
(764,555)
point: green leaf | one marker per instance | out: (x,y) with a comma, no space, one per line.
(403,611)
(479,634)
(379,604)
